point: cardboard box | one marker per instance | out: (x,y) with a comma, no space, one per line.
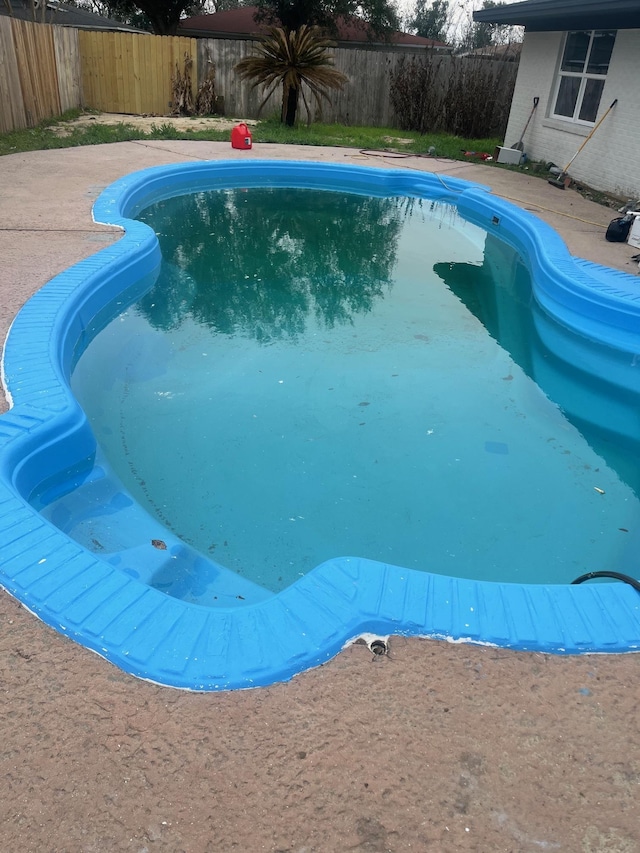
(508,155)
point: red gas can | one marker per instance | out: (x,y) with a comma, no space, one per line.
(241,136)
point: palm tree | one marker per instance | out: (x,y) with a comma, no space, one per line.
(291,58)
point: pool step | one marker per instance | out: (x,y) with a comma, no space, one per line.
(103,518)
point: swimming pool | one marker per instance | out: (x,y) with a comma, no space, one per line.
(46,440)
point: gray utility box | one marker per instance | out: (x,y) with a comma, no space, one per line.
(511,156)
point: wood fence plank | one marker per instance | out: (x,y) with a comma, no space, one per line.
(87,62)
(102,77)
(44,49)
(160,101)
(101,82)
(128,75)
(152,95)
(168,65)
(121,71)
(145,57)
(29,95)
(111,72)
(12,110)
(65,41)
(136,73)
(172,59)
(97,55)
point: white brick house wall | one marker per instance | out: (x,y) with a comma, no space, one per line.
(611,159)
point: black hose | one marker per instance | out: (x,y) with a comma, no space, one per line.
(616,575)
(387,152)
(395,155)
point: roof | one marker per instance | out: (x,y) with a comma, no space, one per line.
(547,15)
(240,23)
(66,16)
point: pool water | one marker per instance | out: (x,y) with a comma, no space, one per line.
(318,374)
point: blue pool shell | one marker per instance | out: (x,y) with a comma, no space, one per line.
(176,643)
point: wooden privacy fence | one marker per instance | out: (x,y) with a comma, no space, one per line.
(45,70)
(364,100)
(39,72)
(132,73)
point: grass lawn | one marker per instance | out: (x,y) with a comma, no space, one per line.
(43,137)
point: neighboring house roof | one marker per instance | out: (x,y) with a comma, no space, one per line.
(548,15)
(65,16)
(240,23)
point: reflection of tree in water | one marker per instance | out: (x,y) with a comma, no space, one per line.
(259,261)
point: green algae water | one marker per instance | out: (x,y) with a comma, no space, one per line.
(321,374)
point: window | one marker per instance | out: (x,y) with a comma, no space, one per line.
(585,62)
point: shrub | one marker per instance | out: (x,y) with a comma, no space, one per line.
(465,96)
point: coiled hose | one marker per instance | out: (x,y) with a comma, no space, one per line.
(616,575)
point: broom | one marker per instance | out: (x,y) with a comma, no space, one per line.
(561,181)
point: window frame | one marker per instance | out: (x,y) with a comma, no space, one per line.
(584,76)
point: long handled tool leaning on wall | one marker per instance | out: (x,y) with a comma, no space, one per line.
(519,145)
(561,181)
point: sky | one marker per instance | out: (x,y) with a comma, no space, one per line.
(461,10)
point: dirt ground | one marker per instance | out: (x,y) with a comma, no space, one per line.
(146,123)
(435,747)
